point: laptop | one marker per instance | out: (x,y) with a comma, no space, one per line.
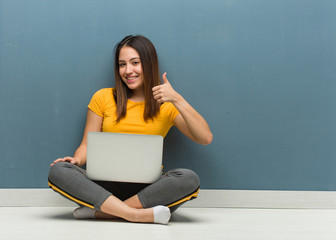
(122,157)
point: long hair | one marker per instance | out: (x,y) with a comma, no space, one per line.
(150,69)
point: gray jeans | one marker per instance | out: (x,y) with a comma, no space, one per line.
(173,188)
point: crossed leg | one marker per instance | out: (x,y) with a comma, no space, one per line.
(145,206)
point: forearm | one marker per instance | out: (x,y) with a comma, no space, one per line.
(189,121)
(198,127)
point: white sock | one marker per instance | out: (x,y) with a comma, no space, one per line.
(84,212)
(161,214)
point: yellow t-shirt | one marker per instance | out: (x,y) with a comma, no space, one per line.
(103,104)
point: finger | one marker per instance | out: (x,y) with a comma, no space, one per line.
(71,160)
(68,159)
(56,161)
(65,159)
(159,91)
(156,88)
(164,77)
(157,95)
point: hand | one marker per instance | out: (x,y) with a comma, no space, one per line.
(66,159)
(165,92)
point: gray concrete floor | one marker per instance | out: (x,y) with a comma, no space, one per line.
(186,223)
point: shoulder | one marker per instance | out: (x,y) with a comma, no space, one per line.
(103,95)
(169,109)
(167,106)
(105,92)
(101,100)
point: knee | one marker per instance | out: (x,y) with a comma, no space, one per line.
(57,170)
(188,179)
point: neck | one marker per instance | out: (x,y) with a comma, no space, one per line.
(137,95)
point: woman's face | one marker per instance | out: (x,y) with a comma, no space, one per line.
(130,68)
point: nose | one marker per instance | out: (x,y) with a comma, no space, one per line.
(129,69)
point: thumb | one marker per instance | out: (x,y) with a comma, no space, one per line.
(164,77)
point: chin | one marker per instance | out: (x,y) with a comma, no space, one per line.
(132,87)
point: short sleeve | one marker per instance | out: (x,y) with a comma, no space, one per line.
(171,111)
(97,103)
(174,114)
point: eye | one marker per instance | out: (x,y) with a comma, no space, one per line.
(121,64)
(136,62)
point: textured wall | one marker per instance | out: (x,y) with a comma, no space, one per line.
(261,72)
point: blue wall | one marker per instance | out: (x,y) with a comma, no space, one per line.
(261,72)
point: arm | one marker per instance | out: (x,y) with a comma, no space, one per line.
(189,121)
(93,124)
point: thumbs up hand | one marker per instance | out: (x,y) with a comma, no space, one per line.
(164,92)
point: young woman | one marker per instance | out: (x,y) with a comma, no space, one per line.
(138,104)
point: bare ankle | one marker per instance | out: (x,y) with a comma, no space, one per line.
(102,215)
(143,215)
(135,215)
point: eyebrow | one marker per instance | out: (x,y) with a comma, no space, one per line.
(130,59)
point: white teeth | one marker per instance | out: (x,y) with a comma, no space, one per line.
(131,78)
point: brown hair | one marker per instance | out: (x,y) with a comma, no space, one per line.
(150,69)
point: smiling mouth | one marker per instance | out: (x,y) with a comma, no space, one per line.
(131,79)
